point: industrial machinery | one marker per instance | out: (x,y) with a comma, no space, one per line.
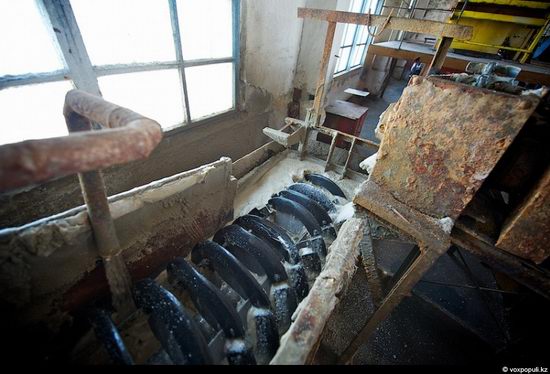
(246,261)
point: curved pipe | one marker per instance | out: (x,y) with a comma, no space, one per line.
(107,333)
(314,194)
(208,300)
(327,183)
(170,322)
(254,253)
(270,232)
(129,136)
(314,207)
(231,271)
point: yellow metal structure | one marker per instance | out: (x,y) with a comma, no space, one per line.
(510,25)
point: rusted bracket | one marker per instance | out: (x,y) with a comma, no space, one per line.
(283,138)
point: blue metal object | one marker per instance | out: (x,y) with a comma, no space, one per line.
(303,215)
(107,333)
(270,232)
(214,307)
(254,253)
(314,207)
(178,333)
(314,194)
(326,183)
(231,271)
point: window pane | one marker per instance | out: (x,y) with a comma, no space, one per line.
(26,43)
(350,31)
(343,60)
(125,31)
(363,34)
(356,6)
(33,112)
(372,6)
(154,94)
(206,28)
(210,89)
(357,55)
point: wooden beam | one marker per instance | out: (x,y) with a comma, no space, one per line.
(439,57)
(395,23)
(320,89)
(451,62)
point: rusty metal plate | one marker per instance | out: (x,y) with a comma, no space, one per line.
(527,232)
(442,141)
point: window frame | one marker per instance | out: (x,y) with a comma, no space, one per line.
(61,22)
(355,41)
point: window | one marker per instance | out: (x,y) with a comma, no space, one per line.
(172,60)
(29,52)
(356,38)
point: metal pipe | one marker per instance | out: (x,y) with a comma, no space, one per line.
(535,42)
(129,137)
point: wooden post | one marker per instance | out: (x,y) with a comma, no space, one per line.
(439,56)
(320,89)
(393,62)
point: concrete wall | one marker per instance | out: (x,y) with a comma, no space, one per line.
(270,51)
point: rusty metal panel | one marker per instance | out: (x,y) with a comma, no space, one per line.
(527,232)
(442,141)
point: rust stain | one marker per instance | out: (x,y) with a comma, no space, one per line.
(443,139)
(527,232)
(94,284)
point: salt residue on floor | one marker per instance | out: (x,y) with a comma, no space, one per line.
(345,212)
(286,172)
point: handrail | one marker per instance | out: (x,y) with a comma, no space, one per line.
(127,136)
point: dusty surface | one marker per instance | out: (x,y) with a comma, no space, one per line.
(154,223)
(182,150)
(282,174)
(312,314)
(434,157)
